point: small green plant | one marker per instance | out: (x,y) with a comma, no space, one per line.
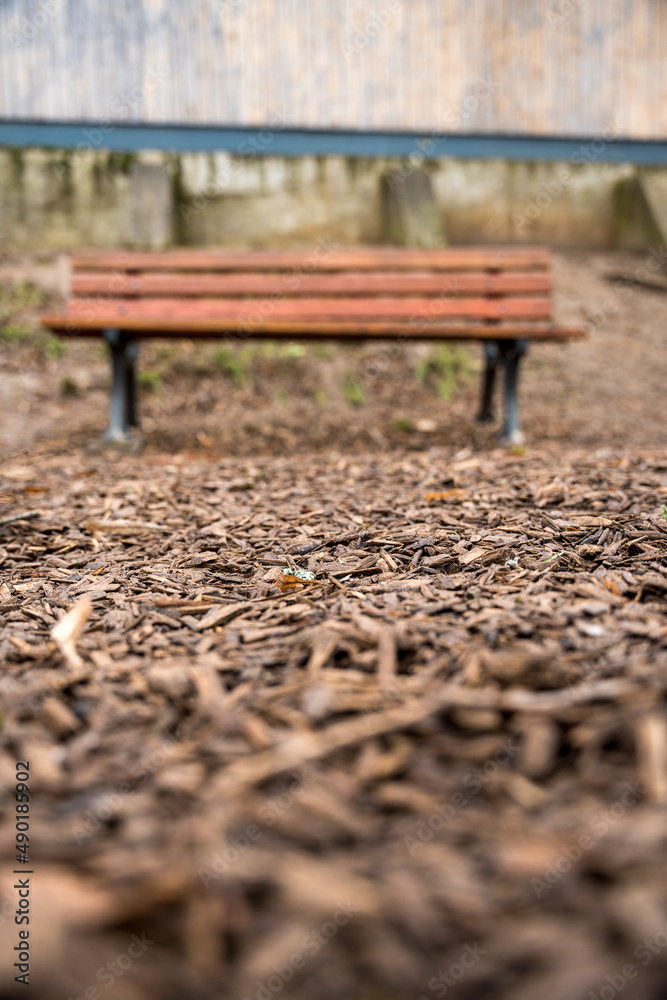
(25,295)
(295,350)
(53,347)
(15,300)
(403,424)
(15,333)
(233,363)
(280,351)
(148,380)
(353,390)
(450,368)
(164,353)
(663,512)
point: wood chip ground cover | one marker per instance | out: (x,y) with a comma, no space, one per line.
(437,768)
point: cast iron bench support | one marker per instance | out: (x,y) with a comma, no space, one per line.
(510,352)
(123,404)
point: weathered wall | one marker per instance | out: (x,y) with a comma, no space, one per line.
(545,67)
(60,200)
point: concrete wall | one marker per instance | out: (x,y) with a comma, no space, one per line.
(58,200)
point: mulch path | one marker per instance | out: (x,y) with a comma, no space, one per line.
(375,727)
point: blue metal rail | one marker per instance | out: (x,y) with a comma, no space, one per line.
(276,141)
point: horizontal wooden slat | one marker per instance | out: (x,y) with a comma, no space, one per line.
(168,326)
(253,310)
(307,261)
(290,284)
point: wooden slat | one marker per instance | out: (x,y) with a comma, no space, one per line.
(250,310)
(305,261)
(347,283)
(166,326)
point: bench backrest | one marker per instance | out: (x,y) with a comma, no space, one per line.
(468,284)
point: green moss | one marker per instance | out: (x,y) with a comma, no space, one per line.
(449,369)
(281,351)
(15,333)
(233,362)
(353,390)
(60,167)
(352,164)
(52,347)
(148,380)
(99,176)
(179,199)
(17,161)
(25,295)
(321,168)
(120,163)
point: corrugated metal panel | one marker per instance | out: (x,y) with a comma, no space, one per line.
(541,67)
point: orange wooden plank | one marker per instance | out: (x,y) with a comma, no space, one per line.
(165,326)
(307,261)
(346,283)
(254,310)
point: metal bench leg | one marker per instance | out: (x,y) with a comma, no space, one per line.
(123,410)
(491,355)
(511,352)
(131,354)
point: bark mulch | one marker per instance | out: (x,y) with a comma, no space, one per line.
(373,727)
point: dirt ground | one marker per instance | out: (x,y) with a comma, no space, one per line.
(346,701)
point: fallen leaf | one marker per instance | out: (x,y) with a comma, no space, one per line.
(289,581)
(456,494)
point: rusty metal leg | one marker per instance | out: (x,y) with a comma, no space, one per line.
(491,355)
(122,411)
(511,352)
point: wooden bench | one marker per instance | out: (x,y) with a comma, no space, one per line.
(498,296)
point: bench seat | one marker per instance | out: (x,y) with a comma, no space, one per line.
(499,296)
